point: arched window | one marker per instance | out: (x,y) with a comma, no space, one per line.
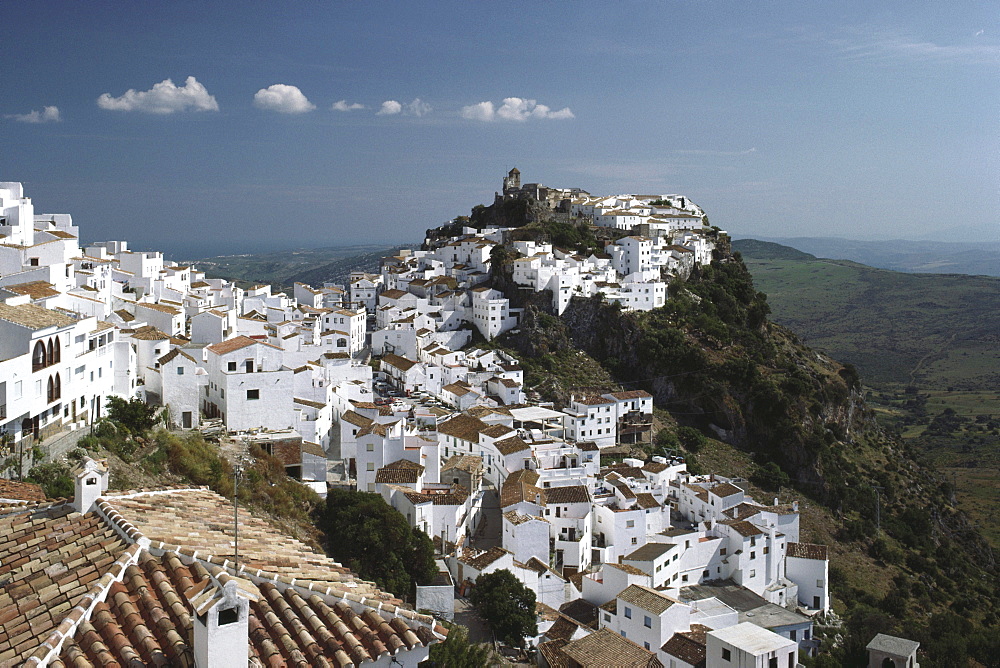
(38,357)
(341,343)
(52,353)
(50,391)
(58,386)
(56,355)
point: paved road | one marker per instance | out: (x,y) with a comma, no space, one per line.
(491,525)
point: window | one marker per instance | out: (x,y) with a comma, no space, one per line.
(630,524)
(753,572)
(706,574)
(180,371)
(726,655)
(635,541)
(753,555)
(647,621)
(722,552)
(646,645)
(819,584)
(370,447)
(231,366)
(253,394)
(370,466)
(684,578)
(791,635)
(628,612)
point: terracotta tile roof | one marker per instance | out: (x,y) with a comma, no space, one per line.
(631,394)
(125,315)
(594,400)
(808,551)
(483,559)
(624,470)
(587,446)
(50,557)
(725,489)
(519,486)
(455,497)
(467,463)
(655,467)
(308,402)
(570,494)
(192,519)
(458,389)
(517,518)
(400,363)
(288,625)
(401,471)
(464,427)
(34,289)
(647,500)
(232,345)
(584,612)
(562,629)
(497,430)
(686,648)
(149,333)
(552,651)
(163,308)
(631,570)
(606,648)
(646,598)
(13,490)
(34,316)
(512,445)
(172,354)
(743,528)
(700,492)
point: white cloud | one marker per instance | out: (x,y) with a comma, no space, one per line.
(479,112)
(162,98)
(416,108)
(513,109)
(282,98)
(389,108)
(343,106)
(46,115)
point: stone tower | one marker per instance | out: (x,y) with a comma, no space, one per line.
(512,181)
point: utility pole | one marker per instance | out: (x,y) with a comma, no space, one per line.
(237,474)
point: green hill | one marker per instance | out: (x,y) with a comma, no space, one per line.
(926,344)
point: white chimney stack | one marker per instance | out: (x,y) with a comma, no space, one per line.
(221,622)
(91,481)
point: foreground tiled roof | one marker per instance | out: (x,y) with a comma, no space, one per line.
(92,589)
(192,519)
(20,491)
(49,559)
(287,626)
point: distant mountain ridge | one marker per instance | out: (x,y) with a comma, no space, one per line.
(932,256)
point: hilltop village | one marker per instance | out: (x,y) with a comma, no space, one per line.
(378,385)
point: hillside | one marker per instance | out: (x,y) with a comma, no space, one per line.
(926,344)
(740,395)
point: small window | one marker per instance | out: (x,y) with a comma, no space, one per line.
(753,572)
(253,394)
(753,555)
(370,447)
(726,655)
(180,371)
(791,635)
(628,612)
(231,366)
(647,621)
(370,466)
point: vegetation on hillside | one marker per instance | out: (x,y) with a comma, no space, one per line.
(371,538)
(714,362)
(924,344)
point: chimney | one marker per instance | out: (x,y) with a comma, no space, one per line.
(221,621)
(91,481)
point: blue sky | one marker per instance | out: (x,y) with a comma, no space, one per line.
(859,120)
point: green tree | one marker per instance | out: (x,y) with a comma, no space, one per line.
(372,539)
(506,605)
(457,651)
(54,479)
(133,414)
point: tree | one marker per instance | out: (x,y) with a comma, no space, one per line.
(506,605)
(368,536)
(134,414)
(457,651)
(54,479)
